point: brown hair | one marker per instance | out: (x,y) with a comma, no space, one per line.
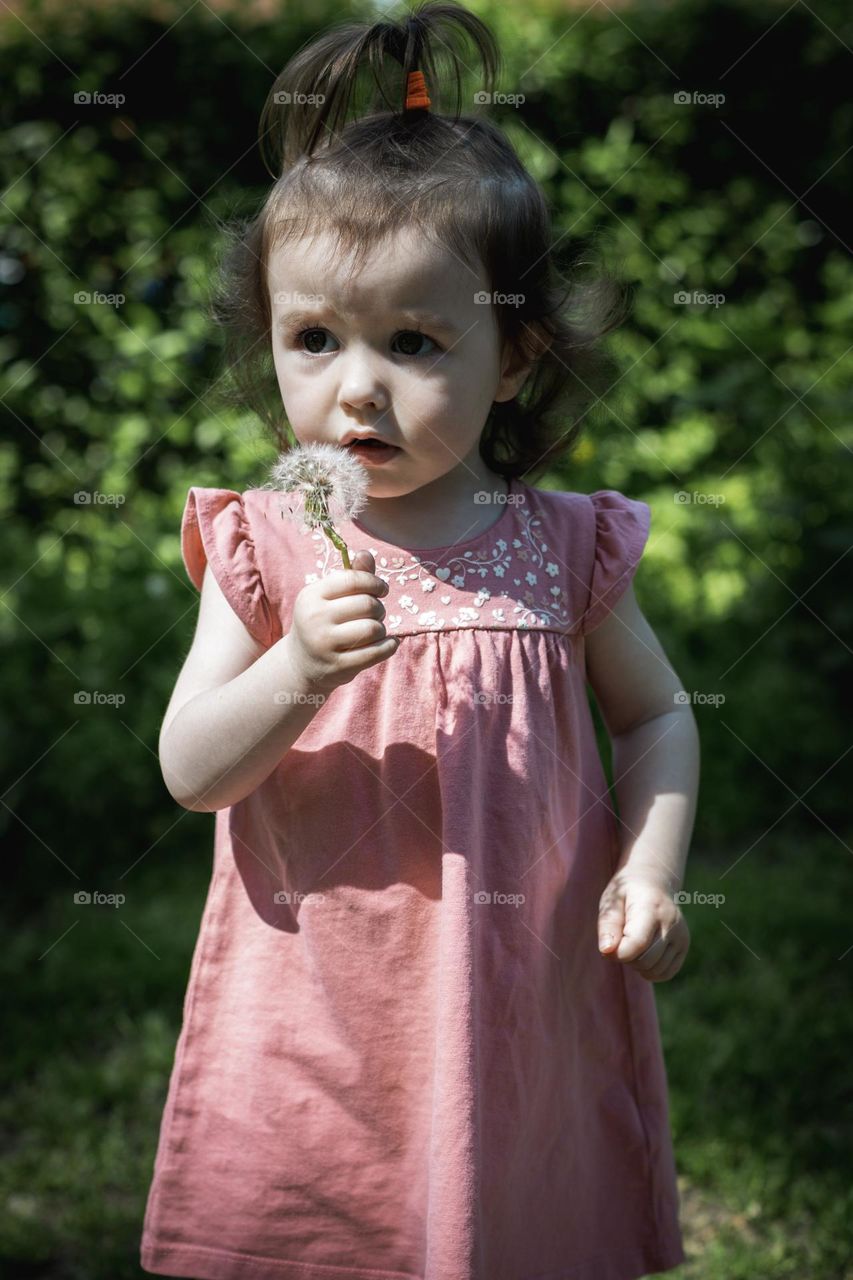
(458,180)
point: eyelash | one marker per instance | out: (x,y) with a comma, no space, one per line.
(297,334)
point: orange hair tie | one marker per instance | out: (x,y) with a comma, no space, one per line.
(416,91)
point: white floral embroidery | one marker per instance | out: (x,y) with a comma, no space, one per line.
(466,615)
(519,601)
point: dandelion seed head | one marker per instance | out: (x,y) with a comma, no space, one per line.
(324,481)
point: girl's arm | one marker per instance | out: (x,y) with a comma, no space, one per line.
(236,709)
(656,776)
(654,739)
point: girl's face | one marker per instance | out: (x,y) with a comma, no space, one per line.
(407,348)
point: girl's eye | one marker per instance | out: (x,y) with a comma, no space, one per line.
(311,335)
(410,339)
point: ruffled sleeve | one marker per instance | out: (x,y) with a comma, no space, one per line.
(621,532)
(216,530)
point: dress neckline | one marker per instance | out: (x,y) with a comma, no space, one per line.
(489,532)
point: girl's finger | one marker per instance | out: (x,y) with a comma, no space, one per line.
(668,967)
(609,931)
(652,956)
(640,936)
(611,921)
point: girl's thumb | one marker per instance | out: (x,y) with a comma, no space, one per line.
(363,560)
(610,924)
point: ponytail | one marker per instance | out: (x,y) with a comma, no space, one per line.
(318,85)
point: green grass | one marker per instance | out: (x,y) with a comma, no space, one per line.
(757,1029)
(755,1048)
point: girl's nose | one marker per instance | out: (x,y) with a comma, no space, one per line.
(361,388)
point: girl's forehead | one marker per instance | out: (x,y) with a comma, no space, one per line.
(405,262)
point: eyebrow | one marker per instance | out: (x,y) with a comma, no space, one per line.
(428,318)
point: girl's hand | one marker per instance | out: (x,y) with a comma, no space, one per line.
(644,924)
(337,628)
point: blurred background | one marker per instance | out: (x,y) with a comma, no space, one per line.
(707,146)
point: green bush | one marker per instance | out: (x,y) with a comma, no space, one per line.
(745,402)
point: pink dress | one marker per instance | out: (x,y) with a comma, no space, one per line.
(402,1055)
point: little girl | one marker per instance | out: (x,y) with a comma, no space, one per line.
(420,1036)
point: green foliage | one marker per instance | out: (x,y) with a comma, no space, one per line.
(745,403)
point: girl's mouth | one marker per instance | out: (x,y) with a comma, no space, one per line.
(372,453)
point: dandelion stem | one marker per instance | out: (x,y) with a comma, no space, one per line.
(338,541)
(317,504)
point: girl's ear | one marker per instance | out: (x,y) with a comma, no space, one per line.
(518,362)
